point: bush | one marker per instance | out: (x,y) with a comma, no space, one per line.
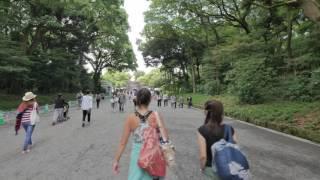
(298,90)
(250,80)
(213,87)
(278,115)
(314,84)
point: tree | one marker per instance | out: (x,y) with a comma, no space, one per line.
(47,43)
(138,74)
(118,79)
(212,45)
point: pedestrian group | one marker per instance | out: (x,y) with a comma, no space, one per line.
(152,152)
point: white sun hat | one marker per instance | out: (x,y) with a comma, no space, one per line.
(28,96)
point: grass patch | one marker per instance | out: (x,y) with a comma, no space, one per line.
(295,118)
(11,102)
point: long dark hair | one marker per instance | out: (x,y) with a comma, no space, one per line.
(143,97)
(214,116)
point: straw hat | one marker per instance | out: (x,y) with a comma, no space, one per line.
(28,96)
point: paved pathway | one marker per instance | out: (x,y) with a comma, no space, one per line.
(70,152)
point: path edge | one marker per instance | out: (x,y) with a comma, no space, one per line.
(269,130)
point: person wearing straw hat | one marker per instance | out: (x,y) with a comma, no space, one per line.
(25,111)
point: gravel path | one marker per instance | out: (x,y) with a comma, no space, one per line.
(69,152)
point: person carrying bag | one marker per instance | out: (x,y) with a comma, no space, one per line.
(27,117)
(147,159)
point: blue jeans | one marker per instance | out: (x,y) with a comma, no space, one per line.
(29,130)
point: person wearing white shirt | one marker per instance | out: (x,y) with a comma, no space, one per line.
(86,107)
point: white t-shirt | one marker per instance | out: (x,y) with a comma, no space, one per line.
(86,102)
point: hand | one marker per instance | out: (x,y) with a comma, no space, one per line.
(116,168)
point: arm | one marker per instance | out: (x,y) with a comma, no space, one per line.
(122,145)
(235,137)
(37,107)
(202,151)
(162,127)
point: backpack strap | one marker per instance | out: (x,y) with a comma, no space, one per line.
(144,117)
(228,133)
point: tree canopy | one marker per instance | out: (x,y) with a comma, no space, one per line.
(118,79)
(45,44)
(258,50)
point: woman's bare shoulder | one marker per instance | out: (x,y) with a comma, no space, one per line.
(132,121)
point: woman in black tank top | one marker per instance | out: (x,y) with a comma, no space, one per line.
(211,132)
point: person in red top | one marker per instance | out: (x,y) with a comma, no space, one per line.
(24,118)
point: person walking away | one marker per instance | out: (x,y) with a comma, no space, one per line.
(116,102)
(66,111)
(86,107)
(181,102)
(174,102)
(165,100)
(98,98)
(59,104)
(134,102)
(25,112)
(209,133)
(79,98)
(122,101)
(189,99)
(159,100)
(113,101)
(135,124)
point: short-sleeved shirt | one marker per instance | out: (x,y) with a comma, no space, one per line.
(86,102)
(98,97)
(211,136)
(59,103)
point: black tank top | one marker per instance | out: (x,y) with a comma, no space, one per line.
(211,137)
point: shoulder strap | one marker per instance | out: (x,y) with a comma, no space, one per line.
(228,133)
(160,125)
(144,117)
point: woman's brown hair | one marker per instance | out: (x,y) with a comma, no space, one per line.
(214,110)
(143,97)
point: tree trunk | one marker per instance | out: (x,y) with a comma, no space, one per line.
(289,31)
(36,40)
(198,70)
(193,78)
(96,81)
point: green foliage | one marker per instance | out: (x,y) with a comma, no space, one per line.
(11,102)
(138,74)
(283,116)
(245,47)
(118,79)
(152,79)
(250,79)
(14,65)
(314,84)
(43,44)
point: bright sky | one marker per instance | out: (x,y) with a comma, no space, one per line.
(135,10)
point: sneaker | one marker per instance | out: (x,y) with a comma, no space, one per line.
(53,123)
(83,125)
(23,152)
(28,150)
